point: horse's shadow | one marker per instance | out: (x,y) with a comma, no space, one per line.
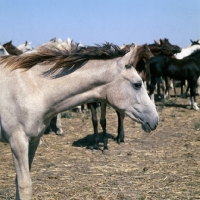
(170,102)
(176,105)
(88,141)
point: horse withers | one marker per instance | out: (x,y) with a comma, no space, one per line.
(36,86)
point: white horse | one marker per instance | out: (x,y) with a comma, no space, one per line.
(3,51)
(35,87)
(25,47)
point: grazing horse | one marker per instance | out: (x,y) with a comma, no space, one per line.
(187,68)
(11,49)
(36,86)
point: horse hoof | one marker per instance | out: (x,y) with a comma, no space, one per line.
(95,150)
(59,131)
(105,151)
(60,134)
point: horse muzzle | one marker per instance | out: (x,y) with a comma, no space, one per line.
(150,126)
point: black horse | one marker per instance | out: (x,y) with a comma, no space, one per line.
(187,68)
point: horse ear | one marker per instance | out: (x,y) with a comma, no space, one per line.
(53,39)
(133,49)
(156,42)
(191,41)
(10,42)
(26,43)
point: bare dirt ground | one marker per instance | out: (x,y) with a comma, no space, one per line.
(164,164)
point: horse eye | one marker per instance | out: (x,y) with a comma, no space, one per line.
(137,86)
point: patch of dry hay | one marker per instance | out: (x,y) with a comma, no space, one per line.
(164,164)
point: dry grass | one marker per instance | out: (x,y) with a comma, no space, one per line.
(164,164)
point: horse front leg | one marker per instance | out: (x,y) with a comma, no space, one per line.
(174,87)
(166,87)
(152,88)
(103,125)
(120,136)
(20,151)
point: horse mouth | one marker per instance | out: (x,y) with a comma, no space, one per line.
(147,128)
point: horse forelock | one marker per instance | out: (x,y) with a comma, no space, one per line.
(61,57)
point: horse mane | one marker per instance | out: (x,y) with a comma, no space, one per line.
(61,58)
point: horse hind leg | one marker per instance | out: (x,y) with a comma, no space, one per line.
(59,130)
(193,95)
(103,125)
(95,125)
(55,125)
(198,86)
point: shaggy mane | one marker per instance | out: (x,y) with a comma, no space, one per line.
(61,58)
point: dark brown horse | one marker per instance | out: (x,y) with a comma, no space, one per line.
(11,49)
(164,47)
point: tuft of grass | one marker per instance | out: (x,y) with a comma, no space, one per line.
(50,165)
(173,114)
(197,126)
(66,114)
(197,173)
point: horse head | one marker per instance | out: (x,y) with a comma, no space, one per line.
(143,52)
(195,42)
(11,49)
(167,48)
(25,47)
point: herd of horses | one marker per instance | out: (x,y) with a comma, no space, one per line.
(38,84)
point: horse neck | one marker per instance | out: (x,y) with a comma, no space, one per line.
(187,51)
(72,87)
(89,82)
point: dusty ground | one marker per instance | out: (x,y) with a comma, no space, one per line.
(164,164)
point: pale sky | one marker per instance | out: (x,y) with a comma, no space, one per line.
(98,21)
